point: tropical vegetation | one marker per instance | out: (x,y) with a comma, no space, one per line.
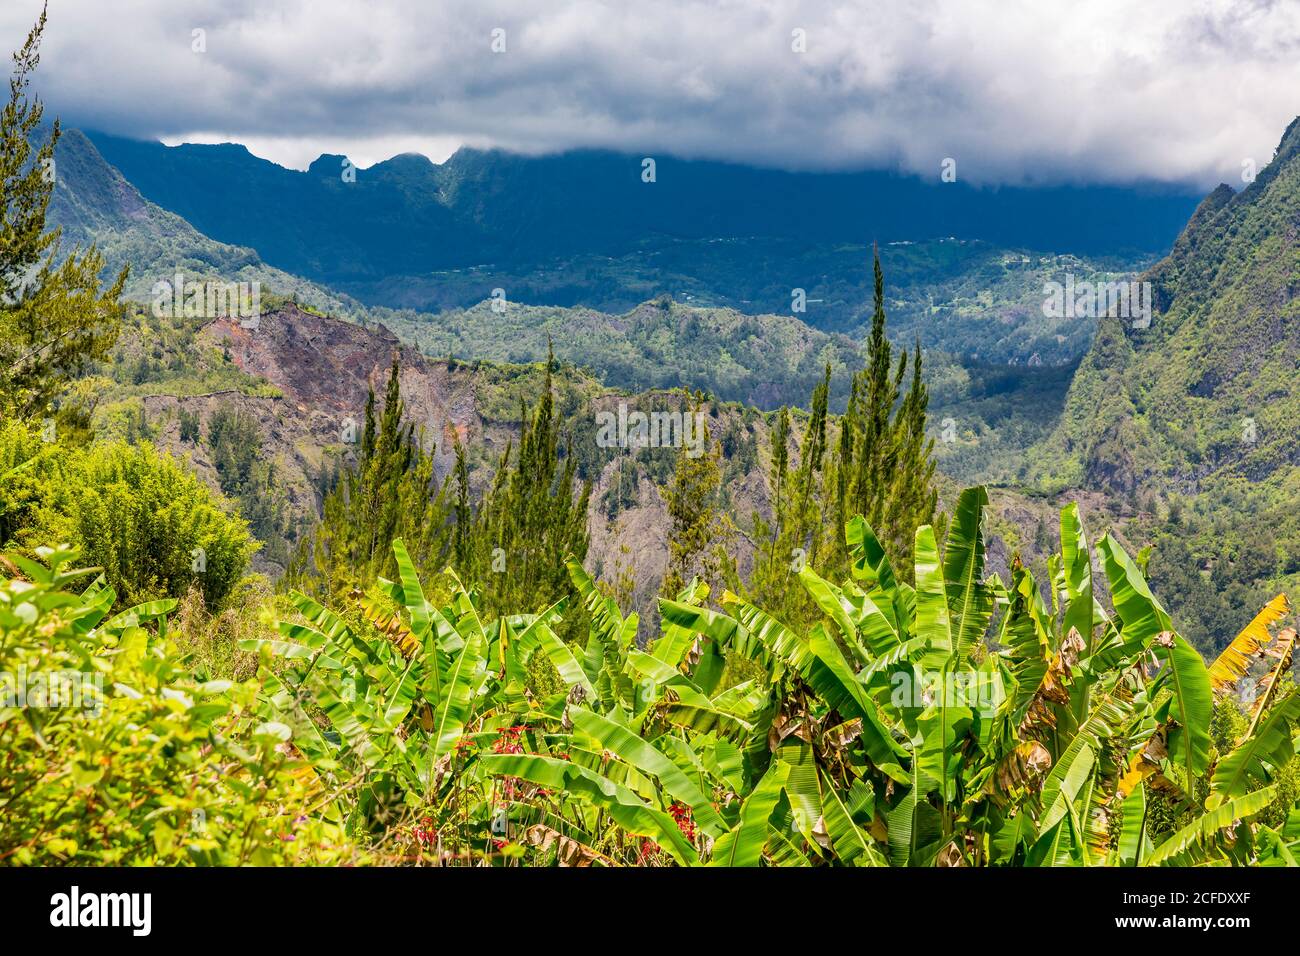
(434,670)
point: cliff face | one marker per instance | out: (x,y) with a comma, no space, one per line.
(1211,387)
(320,371)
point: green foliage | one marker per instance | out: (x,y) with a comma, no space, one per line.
(906,728)
(189,426)
(35,491)
(247,477)
(512,538)
(55,317)
(390,493)
(697,526)
(115,755)
(882,467)
(532,516)
(1193,417)
(154,528)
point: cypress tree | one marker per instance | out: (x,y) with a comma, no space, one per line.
(697,525)
(882,469)
(533,517)
(391,493)
(54,315)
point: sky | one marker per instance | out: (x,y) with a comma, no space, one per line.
(1015,91)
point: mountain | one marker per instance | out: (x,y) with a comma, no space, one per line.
(964,297)
(582,228)
(93,203)
(1210,389)
(1193,418)
(995,410)
(1146,437)
(302,377)
(986,310)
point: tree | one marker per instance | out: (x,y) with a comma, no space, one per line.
(697,525)
(154,528)
(54,314)
(246,475)
(533,516)
(800,524)
(512,542)
(136,512)
(884,468)
(392,492)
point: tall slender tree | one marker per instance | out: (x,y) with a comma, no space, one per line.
(697,526)
(882,468)
(533,516)
(391,493)
(55,316)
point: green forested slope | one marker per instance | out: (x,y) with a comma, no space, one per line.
(1195,417)
(92,202)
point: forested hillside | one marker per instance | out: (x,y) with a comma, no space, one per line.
(1194,418)
(651,580)
(585,229)
(93,203)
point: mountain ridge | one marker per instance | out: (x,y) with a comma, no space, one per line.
(94,203)
(1226,305)
(409,218)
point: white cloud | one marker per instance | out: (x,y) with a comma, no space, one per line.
(1015,90)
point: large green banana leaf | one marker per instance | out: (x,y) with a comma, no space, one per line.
(625,808)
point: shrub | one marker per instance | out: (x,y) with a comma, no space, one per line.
(155,528)
(113,754)
(34,493)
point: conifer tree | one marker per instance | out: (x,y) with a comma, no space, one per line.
(698,529)
(912,496)
(54,314)
(391,493)
(802,522)
(534,515)
(882,468)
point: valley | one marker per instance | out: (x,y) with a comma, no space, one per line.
(1005,397)
(739,445)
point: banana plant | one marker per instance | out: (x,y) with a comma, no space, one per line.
(386,697)
(956,721)
(911,729)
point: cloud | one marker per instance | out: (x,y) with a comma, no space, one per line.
(1013,90)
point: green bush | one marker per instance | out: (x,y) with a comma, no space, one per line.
(34,490)
(113,754)
(154,528)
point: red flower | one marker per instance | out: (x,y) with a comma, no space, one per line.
(508,741)
(681,814)
(426,835)
(649,850)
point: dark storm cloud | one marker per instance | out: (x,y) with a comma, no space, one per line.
(1014,91)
